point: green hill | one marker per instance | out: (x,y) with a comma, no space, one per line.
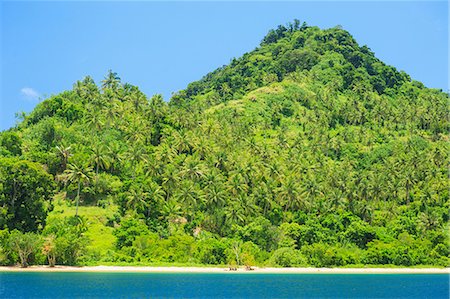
(307,150)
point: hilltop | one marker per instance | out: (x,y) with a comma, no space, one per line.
(308,150)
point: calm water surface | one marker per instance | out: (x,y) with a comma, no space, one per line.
(163,285)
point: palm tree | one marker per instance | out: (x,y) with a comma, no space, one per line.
(99,157)
(64,153)
(182,142)
(136,200)
(112,81)
(172,210)
(218,159)
(114,154)
(201,146)
(86,89)
(80,174)
(111,113)
(134,96)
(94,119)
(336,197)
(157,108)
(165,153)
(170,178)
(189,194)
(234,213)
(134,131)
(236,184)
(154,193)
(193,168)
(311,189)
(215,197)
(135,155)
(289,193)
(248,205)
(264,194)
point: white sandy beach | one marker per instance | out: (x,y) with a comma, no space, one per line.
(144,269)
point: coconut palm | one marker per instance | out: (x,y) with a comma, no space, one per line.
(172,210)
(111,113)
(170,178)
(154,193)
(215,197)
(236,184)
(134,131)
(99,157)
(137,199)
(115,155)
(189,194)
(136,155)
(193,168)
(79,174)
(182,142)
(64,153)
(94,119)
(234,213)
(111,81)
(289,193)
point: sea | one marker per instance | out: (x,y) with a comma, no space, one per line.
(221,285)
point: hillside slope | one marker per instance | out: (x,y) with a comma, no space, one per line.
(306,151)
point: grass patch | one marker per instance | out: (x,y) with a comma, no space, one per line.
(98,232)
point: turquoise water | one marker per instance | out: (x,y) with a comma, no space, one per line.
(159,285)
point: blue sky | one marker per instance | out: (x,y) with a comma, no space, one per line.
(162,46)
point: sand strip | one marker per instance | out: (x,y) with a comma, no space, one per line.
(144,269)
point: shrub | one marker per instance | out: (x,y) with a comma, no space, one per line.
(287,257)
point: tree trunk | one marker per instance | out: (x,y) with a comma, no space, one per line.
(78,197)
(23,260)
(265,207)
(51,260)
(96,176)
(407,193)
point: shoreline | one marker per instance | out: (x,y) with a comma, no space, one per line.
(257,270)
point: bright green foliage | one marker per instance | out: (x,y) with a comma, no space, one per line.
(5,251)
(10,143)
(24,245)
(287,257)
(308,150)
(25,191)
(68,238)
(128,231)
(211,251)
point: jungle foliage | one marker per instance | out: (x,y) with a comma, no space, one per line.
(307,150)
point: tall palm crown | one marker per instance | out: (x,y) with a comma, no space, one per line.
(80,174)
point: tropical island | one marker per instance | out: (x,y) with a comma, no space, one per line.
(305,152)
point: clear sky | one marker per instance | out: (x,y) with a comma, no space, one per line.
(162,46)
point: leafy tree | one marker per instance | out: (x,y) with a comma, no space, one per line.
(25,194)
(128,230)
(49,250)
(65,240)
(11,141)
(287,257)
(24,244)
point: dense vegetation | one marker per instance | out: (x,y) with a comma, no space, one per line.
(306,151)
